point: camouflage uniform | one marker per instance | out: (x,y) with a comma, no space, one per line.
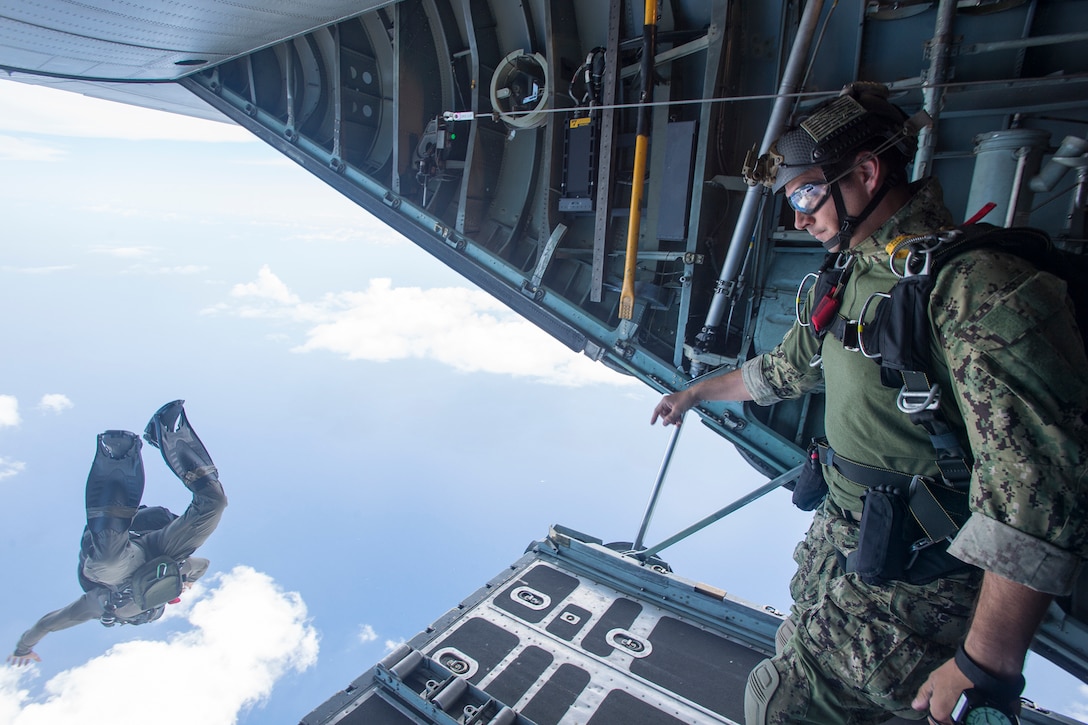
(1011,364)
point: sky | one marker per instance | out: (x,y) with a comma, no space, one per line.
(389,437)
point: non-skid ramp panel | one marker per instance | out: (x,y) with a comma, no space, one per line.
(572,633)
(575,633)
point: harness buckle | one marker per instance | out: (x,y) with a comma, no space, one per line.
(915,401)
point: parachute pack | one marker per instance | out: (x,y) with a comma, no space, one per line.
(156,582)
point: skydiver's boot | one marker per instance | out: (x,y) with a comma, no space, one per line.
(115,484)
(170,432)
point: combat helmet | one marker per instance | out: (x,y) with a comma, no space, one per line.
(860,118)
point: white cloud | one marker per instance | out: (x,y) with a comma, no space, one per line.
(245,635)
(123,252)
(9,468)
(26,108)
(392,644)
(55,402)
(367,634)
(1079,709)
(181,269)
(39,270)
(9,411)
(464,328)
(266,287)
(21,149)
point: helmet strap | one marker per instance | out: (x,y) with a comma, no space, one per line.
(848,224)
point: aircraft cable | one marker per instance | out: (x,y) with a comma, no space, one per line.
(914,85)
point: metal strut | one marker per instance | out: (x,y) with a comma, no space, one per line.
(652,503)
(783,105)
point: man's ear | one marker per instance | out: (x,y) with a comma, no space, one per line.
(869,170)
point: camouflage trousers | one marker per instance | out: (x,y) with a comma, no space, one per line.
(858,652)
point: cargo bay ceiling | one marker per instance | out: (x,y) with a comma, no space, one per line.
(500,137)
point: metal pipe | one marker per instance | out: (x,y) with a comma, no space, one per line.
(780,112)
(940,49)
(652,504)
(975,48)
(1017,181)
(763,490)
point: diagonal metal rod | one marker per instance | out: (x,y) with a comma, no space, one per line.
(722,513)
(652,504)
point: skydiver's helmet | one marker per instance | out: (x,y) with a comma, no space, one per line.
(860,119)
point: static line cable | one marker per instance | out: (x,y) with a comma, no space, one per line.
(804,95)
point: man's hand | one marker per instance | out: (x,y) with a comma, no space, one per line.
(21,660)
(938,695)
(672,407)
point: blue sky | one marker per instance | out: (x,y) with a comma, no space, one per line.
(390,438)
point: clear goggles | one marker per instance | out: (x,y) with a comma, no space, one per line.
(808,198)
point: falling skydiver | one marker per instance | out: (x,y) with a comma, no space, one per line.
(134,560)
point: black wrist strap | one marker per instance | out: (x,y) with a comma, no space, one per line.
(998,688)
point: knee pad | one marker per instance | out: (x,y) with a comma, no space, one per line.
(762,683)
(785,631)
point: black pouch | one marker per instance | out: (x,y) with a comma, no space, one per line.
(811,488)
(883,553)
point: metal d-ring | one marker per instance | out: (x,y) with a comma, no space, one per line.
(860,322)
(801,294)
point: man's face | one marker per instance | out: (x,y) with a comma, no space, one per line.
(823,223)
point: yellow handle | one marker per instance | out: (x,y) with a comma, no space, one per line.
(627,292)
(642,142)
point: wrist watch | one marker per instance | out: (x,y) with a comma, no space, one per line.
(975,708)
(992,700)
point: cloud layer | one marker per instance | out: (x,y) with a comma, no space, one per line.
(10,467)
(245,634)
(55,402)
(9,411)
(464,328)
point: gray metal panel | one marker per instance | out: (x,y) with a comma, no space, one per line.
(151,39)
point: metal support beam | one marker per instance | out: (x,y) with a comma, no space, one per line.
(605,157)
(940,49)
(740,503)
(670,55)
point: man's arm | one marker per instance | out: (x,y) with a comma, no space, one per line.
(1016,359)
(1005,619)
(729,386)
(81,610)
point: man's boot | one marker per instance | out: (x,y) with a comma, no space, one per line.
(115,484)
(170,432)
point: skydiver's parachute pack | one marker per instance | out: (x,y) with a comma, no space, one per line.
(156,583)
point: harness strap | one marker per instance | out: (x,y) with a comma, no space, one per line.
(923,497)
(845,332)
(928,511)
(859,473)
